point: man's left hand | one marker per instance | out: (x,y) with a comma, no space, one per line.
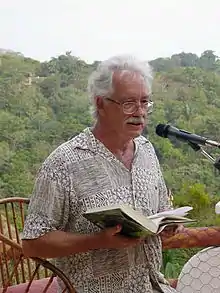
(172,230)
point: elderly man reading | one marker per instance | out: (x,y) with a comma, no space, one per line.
(107,164)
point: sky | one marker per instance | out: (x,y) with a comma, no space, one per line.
(97,29)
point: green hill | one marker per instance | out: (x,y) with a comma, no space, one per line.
(43,104)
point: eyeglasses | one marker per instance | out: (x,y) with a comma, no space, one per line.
(131,107)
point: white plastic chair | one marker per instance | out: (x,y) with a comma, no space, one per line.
(201,274)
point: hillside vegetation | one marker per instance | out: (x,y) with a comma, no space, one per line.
(43,104)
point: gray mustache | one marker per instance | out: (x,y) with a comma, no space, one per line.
(136,120)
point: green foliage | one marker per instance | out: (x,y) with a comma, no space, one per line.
(174,260)
(208,61)
(43,104)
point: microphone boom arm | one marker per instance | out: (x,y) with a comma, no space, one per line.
(196,147)
(193,140)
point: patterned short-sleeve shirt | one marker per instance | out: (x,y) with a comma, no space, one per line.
(81,174)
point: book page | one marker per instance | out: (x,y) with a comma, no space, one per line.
(138,217)
(181,212)
(165,223)
(161,228)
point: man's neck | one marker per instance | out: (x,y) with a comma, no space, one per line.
(114,141)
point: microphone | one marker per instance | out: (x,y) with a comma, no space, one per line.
(167,131)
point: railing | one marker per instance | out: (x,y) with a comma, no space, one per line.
(194,237)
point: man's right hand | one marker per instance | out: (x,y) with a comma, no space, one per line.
(110,239)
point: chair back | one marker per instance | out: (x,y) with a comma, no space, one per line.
(201,273)
(16,271)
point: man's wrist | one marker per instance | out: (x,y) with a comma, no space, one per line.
(93,241)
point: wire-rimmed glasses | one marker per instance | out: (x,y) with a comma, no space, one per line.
(130,107)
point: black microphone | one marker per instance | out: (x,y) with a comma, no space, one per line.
(167,131)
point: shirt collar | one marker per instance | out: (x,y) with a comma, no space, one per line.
(87,141)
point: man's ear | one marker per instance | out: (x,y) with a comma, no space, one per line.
(99,104)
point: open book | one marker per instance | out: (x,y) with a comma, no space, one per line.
(134,223)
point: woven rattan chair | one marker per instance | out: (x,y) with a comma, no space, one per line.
(18,273)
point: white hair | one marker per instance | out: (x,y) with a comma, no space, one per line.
(100,81)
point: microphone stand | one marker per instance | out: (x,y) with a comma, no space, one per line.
(196,148)
(216,164)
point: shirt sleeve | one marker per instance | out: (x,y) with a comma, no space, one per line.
(48,209)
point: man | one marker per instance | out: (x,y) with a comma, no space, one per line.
(107,164)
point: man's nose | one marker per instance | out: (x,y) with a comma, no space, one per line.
(140,110)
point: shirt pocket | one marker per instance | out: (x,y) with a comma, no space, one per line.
(90,180)
(146,190)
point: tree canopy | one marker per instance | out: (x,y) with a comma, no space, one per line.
(43,104)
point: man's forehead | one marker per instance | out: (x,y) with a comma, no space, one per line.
(127,76)
(130,82)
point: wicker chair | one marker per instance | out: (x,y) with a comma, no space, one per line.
(18,273)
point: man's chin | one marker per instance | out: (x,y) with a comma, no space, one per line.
(135,132)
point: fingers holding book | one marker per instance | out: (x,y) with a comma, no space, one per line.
(110,238)
(170,231)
